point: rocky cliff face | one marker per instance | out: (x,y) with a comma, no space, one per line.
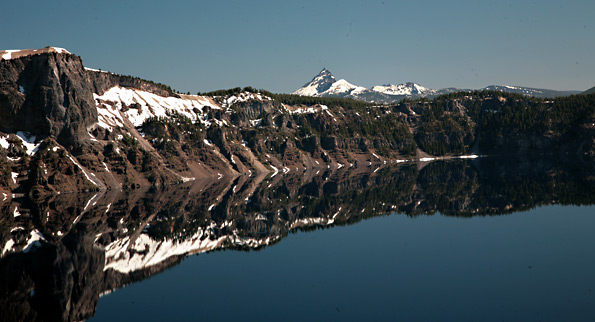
(68,128)
(46,95)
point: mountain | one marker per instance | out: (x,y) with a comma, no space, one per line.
(589,91)
(68,128)
(325,85)
(319,84)
(403,89)
(537,92)
(159,175)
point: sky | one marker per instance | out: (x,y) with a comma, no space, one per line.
(199,46)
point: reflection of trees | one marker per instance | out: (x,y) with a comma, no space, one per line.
(63,278)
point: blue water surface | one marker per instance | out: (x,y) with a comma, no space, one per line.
(537,265)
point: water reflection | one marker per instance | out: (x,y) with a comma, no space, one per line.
(60,254)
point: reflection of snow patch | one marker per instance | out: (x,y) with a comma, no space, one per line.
(34,241)
(472,156)
(126,255)
(7,247)
(274,169)
(188,179)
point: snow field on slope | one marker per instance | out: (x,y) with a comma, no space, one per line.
(343,86)
(149,105)
(16,53)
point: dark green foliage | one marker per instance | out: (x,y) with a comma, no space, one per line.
(130,141)
(133,79)
(347,103)
(292,99)
(167,133)
(501,122)
(449,124)
(537,124)
(235,91)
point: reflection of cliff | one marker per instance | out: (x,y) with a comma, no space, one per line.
(61,253)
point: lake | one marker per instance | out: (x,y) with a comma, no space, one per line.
(489,239)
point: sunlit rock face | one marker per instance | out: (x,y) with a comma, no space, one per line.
(65,127)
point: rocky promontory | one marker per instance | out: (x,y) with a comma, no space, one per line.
(66,128)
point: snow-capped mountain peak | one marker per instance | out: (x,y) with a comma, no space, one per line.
(342,86)
(320,83)
(402,89)
(325,84)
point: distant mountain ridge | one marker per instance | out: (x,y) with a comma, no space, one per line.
(325,85)
(589,91)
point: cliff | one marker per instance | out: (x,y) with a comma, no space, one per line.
(66,128)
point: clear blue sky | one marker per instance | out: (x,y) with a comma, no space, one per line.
(280,45)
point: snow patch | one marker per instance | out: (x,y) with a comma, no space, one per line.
(404,89)
(87,174)
(472,156)
(17,53)
(34,241)
(143,105)
(28,142)
(4,142)
(274,169)
(342,86)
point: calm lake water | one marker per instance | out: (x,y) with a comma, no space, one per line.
(537,265)
(492,239)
